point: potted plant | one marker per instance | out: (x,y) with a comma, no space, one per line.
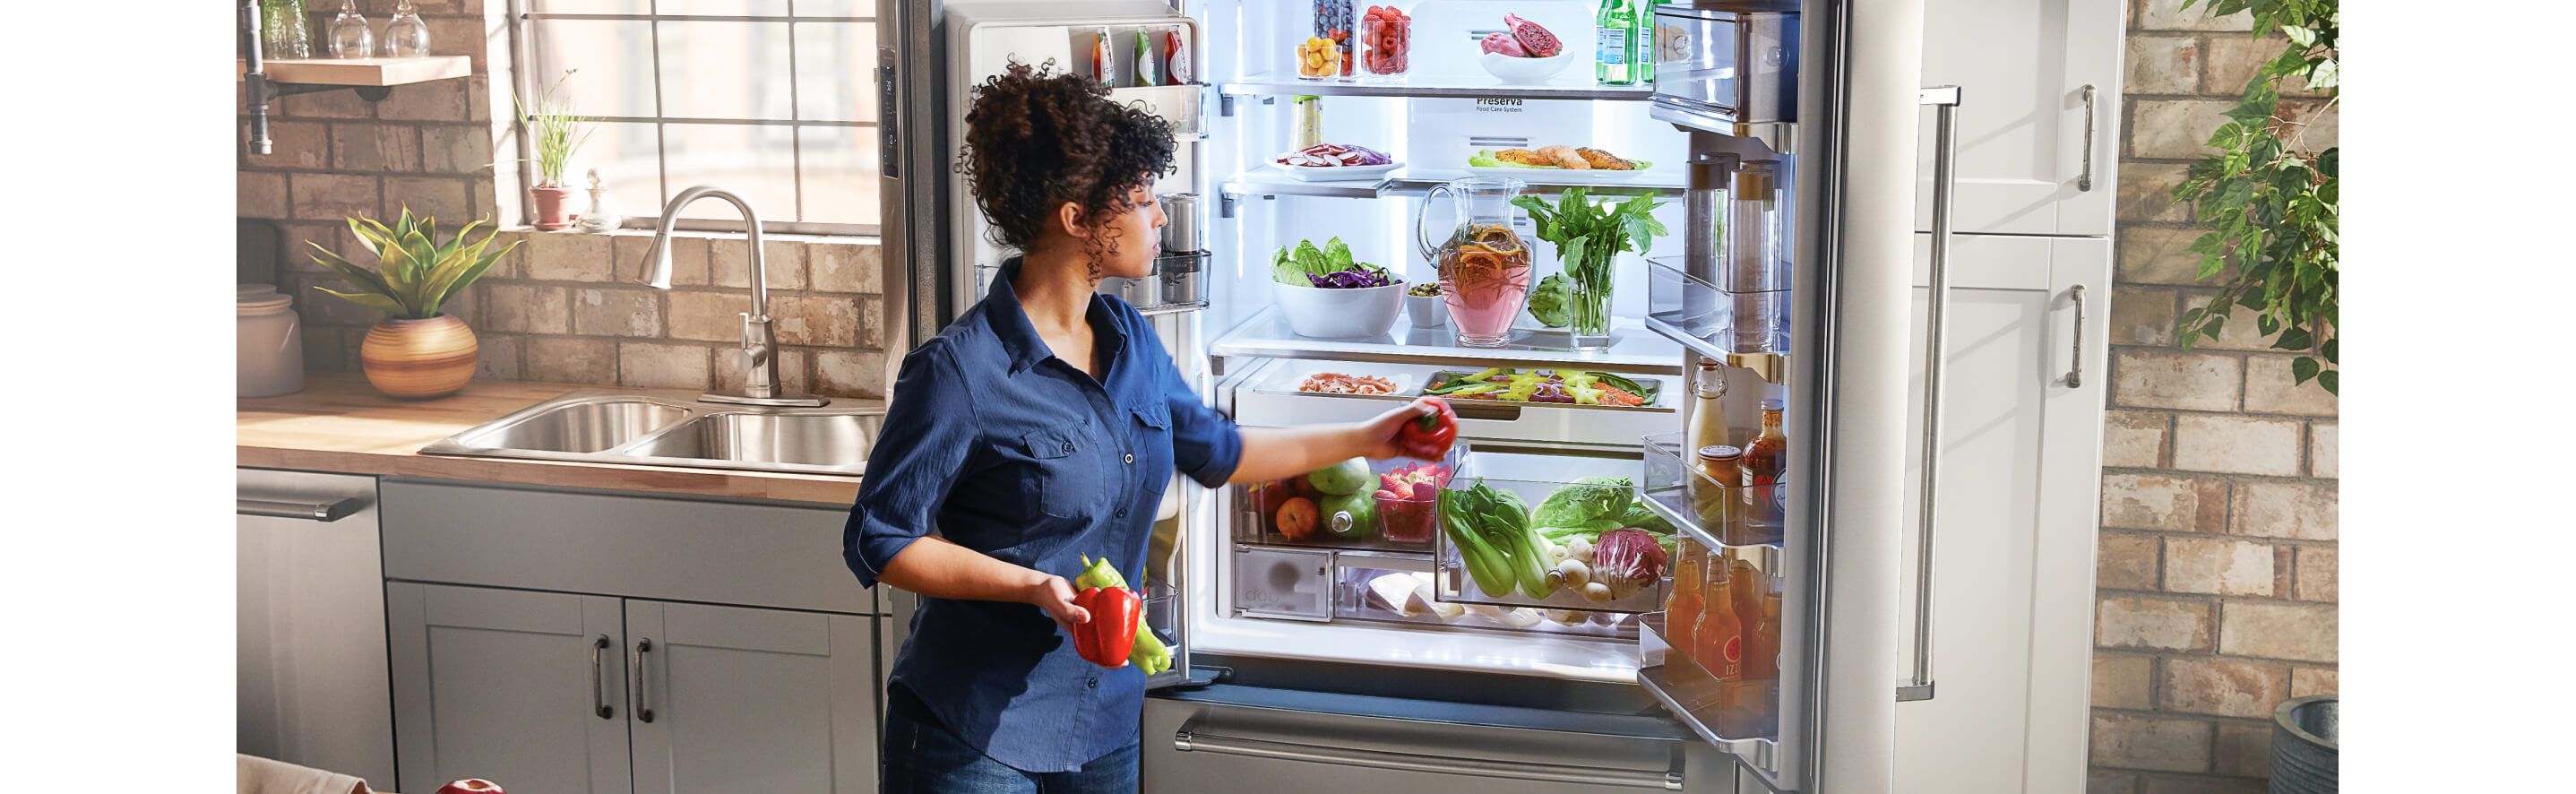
(1588,235)
(555,132)
(416,352)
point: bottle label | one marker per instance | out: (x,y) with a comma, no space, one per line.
(1614,46)
(1734,649)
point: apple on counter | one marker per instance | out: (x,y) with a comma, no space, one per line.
(471,785)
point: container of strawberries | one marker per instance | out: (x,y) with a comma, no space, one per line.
(1386,39)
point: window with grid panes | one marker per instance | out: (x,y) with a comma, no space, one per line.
(773,99)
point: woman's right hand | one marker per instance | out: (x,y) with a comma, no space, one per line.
(1054,595)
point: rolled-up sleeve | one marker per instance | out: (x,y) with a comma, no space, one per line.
(920,450)
(1206,444)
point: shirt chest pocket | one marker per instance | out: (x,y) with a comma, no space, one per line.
(1066,481)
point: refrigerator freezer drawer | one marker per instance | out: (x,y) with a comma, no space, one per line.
(1271,398)
(1199,746)
(311,685)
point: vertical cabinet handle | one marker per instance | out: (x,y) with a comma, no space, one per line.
(2084,181)
(643,685)
(2075,377)
(1945,162)
(599,679)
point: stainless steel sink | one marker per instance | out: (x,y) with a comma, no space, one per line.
(652,431)
(831,441)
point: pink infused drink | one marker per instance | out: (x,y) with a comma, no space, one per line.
(1484,278)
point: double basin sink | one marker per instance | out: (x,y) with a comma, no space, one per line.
(650,431)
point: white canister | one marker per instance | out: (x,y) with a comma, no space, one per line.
(270,357)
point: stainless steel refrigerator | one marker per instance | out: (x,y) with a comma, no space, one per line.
(1321,660)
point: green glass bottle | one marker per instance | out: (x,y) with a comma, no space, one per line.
(1615,56)
(1648,44)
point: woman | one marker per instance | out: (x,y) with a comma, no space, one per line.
(1039,427)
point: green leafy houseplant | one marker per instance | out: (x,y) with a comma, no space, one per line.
(415,273)
(554,132)
(2269,200)
(1589,235)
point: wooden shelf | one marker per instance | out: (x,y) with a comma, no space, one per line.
(370,72)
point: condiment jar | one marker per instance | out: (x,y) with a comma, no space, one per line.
(269,360)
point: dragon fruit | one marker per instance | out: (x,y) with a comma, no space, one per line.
(1536,40)
(1502,43)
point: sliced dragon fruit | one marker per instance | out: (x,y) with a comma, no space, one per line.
(1504,44)
(1537,40)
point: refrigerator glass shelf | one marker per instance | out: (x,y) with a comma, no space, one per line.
(1673,488)
(1410,182)
(1573,84)
(1698,700)
(1633,349)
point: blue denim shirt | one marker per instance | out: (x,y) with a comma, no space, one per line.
(1012,452)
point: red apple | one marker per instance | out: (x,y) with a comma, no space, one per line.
(471,785)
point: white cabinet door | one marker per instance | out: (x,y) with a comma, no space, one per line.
(526,689)
(2022,67)
(744,700)
(2013,551)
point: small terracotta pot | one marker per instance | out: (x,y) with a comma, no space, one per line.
(419,359)
(554,207)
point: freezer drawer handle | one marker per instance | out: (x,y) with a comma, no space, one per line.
(1945,175)
(325,512)
(1186,741)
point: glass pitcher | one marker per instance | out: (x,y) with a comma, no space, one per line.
(1484,265)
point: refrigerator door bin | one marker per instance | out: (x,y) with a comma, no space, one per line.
(1710,319)
(1176,104)
(1569,580)
(1718,514)
(1739,718)
(1740,65)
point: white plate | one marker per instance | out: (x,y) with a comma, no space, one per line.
(1566,176)
(1341,173)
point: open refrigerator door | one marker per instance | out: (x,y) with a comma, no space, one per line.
(1590,516)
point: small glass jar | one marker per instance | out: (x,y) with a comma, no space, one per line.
(1386,46)
(1713,495)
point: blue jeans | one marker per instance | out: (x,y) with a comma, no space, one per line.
(921,756)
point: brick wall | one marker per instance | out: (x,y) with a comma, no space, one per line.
(564,307)
(2217,560)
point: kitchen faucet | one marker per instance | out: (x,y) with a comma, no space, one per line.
(760,386)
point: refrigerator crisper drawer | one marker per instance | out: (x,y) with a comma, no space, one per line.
(1271,398)
(1200,746)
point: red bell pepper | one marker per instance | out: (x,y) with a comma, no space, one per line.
(1429,437)
(1111,634)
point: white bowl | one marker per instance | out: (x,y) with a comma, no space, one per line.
(1525,71)
(1426,311)
(1362,313)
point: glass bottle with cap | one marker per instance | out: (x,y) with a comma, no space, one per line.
(1766,458)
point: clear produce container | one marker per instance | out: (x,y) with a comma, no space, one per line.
(1402,526)
(1386,46)
(1396,595)
(1533,478)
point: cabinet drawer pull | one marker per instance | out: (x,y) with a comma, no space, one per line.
(599,679)
(2084,182)
(2075,377)
(643,685)
(1188,741)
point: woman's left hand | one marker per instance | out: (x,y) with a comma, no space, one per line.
(1379,433)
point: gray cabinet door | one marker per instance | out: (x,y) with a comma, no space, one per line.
(2026,134)
(2020,459)
(744,700)
(510,686)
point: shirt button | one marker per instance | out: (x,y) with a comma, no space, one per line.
(1131,457)
(1091,684)
(1122,512)
(1068,446)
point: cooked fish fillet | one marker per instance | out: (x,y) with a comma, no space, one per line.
(1522,156)
(1605,160)
(1564,157)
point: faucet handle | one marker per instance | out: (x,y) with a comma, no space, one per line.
(747,340)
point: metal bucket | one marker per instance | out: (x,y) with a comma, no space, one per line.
(2303,745)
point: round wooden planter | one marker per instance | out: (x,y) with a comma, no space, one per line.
(419,359)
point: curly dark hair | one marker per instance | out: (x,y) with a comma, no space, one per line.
(1036,138)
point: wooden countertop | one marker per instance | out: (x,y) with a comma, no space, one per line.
(339,424)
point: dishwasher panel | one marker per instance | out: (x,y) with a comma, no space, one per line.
(311,686)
